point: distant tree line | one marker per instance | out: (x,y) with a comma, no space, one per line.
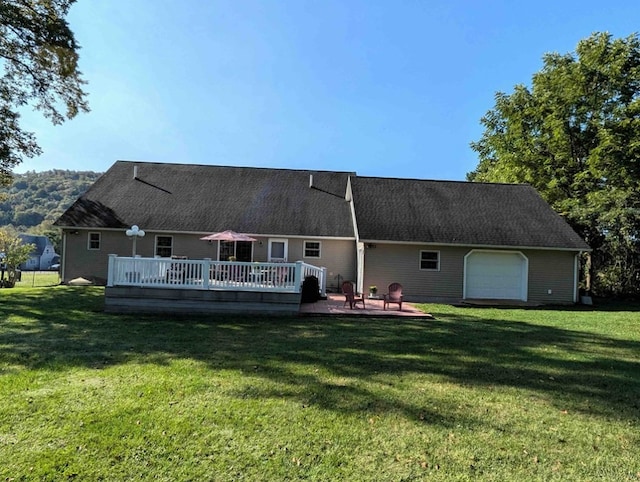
(36,199)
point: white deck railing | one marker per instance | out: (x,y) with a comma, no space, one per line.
(205,274)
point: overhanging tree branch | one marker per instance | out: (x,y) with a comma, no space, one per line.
(40,64)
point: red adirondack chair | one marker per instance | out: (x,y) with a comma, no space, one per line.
(394,295)
(350,296)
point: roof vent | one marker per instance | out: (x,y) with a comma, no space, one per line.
(135,172)
(310,181)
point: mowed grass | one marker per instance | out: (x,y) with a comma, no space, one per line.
(477,394)
(38,279)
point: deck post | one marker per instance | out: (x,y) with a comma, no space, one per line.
(297,282)
(206,272)
(323,282)
(111,269)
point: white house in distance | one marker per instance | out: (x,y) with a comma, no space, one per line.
(43,256)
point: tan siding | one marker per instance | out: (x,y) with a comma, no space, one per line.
(79,261)
(388,263)
(551,270)
(337,256)
(384,264)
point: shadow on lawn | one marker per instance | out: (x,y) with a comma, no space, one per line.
(577,371)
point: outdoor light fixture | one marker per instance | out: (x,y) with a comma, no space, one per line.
(135,232)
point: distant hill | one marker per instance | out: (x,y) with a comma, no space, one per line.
(37,199)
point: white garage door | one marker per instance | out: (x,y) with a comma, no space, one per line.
(496,275)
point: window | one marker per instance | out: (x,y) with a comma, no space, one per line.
(278,250)
(242,250)
(227,249)
(164,246)
(312,249)
(93,241)
(430,260)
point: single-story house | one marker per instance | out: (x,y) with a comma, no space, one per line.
(442,240)
(43,255)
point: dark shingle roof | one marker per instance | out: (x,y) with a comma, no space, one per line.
(201,199)
(462,213)
(196,198)
(40,242)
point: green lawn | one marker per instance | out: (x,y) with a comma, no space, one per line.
(477,394)
(31,279)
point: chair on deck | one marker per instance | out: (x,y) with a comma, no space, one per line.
(350,296)
(176,273)
(394,295)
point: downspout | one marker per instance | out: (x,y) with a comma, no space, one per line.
(576,276)
(359,245)
(63,263)
(360,266)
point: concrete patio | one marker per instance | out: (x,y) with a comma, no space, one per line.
(334,305)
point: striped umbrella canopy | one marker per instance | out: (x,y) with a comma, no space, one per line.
(228,236)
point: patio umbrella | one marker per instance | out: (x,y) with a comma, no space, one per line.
(227,236)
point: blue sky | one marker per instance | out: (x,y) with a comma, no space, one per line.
(384,88)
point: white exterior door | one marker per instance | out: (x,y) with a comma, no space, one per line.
(278,250)
(496,275)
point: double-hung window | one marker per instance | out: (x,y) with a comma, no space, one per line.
(312,249)
(430,260)
(93,241)
(164,246)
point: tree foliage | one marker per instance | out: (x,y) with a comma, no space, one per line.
(574,135)
(36,199)
(39,57)
(14,253)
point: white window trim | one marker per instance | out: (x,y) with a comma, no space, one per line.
(155,244)
(304,249)
(286,248)
(89,241)
(420,259)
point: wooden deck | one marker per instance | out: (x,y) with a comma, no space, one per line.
(334,306)
(206,274)
(186,301)
(133,299)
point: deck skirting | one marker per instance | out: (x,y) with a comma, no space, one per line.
(133,299)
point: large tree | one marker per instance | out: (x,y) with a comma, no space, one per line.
(574,134)
(39,58)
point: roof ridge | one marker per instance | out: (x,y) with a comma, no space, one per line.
(452,181)
(125,161)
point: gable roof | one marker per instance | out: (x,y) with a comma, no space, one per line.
(40,242)
(204,199)
(459,213)
(263,201)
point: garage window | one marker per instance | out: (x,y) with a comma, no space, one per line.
(430,260)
